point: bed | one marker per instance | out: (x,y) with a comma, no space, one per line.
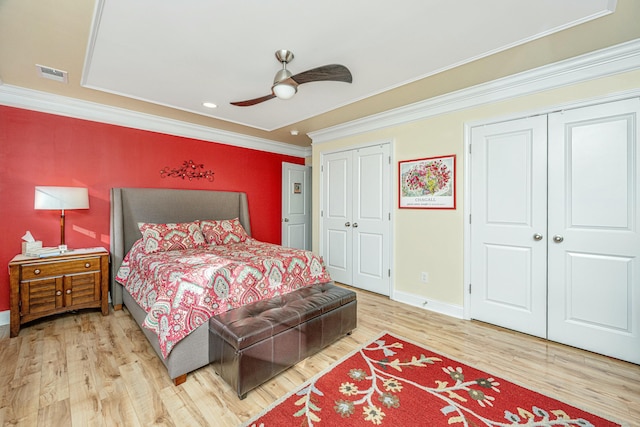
(131,206)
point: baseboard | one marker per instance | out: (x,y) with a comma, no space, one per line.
(431,305)
(403,297)
(5,317)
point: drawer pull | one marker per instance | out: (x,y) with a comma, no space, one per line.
(36,271)
(87,265)
(68,291)
(58,293)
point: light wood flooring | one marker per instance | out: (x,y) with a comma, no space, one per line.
(83,369)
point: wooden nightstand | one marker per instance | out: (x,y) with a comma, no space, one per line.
(45,286)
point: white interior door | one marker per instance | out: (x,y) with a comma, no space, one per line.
(336,215)
(508,224)
(356,217)
(296,206)
(594,220)
(371,220)
(588,190)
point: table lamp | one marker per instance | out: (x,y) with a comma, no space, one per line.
(61,198)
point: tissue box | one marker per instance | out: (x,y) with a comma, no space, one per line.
(31,246)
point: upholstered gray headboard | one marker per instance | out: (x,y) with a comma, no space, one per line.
(129,206)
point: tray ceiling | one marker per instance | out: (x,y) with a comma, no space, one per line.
(181,54)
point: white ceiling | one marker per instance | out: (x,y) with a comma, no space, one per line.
(180,54)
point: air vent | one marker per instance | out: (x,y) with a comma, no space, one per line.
(52,73)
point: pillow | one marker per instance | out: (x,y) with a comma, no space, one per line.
(170,237)
(223,232)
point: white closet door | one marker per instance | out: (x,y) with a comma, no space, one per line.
(370,223)
(594,220)
(508,224)
(356,217)
(337,212)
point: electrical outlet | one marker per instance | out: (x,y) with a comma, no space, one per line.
(424,277)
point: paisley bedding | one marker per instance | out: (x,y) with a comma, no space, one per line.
(182,289)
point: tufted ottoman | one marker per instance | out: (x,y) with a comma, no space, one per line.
(251,344)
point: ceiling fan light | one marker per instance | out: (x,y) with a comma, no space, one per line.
(284,91)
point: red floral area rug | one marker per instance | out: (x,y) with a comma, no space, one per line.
(393,382)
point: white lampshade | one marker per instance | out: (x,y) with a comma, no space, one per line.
(284,91)
(61,198)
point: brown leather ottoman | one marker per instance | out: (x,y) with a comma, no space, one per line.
(250,345)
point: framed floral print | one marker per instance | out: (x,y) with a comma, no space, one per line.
(427,183)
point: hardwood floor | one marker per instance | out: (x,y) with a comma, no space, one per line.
(88,370)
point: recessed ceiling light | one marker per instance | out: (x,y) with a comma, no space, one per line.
(294,132)
(209,105)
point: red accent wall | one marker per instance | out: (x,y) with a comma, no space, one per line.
(45,149)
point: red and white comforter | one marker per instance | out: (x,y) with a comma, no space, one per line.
(181,289)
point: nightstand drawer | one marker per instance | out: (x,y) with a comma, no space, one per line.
(43,269)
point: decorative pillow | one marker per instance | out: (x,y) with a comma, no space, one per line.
(171,237)
(223,232)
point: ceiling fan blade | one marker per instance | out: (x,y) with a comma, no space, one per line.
(255,101)
(333,72)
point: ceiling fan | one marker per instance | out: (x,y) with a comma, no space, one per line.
(285,84)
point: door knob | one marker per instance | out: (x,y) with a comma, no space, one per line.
(347,224)
(557,238)
(355,225)
(537,236)
(286,220)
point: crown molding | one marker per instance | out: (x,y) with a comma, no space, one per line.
(601,63)
(19,97)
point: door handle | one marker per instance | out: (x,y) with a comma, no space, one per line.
(347,224)
(286,220)
(558,238)
(355,225)
(537,236)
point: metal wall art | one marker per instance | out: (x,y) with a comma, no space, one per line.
(189,170)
